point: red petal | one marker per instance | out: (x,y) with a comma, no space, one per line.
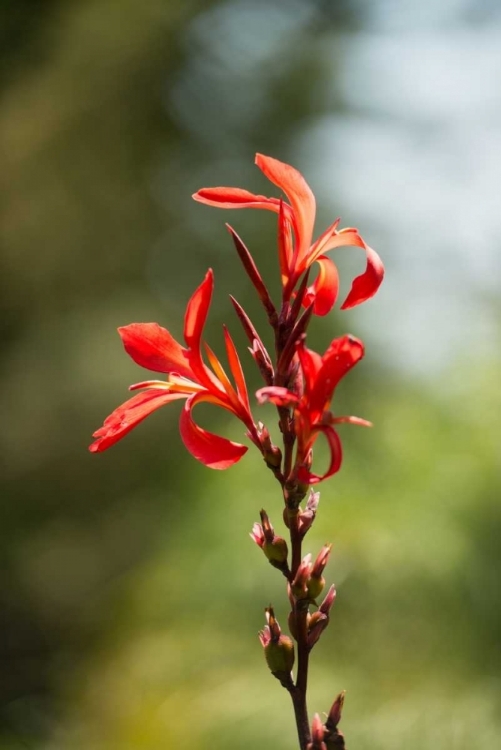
(311,363)
(128,415)
(285,246)
(277,395)
(236,370)
(153,347)
(340,357)
(336,452)
(212,450)
(364,286)
(324,291)
(197,310)
(299,194)
(227,197)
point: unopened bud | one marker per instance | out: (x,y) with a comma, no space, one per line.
(320,619)
(273,546)
(293,624)
(329,600)
(307,516)
(317,581)
(334,739)
(271,453)
(278,649)
(263,361)
(335,713)
(299,585)
(317,735)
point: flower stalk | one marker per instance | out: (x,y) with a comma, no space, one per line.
(301,384)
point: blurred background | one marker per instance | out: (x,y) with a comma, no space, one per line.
(131,594)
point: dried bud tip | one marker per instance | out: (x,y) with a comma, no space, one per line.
(273,625)
(268,531)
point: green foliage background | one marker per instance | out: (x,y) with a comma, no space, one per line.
(130,592)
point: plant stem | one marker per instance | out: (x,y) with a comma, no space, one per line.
(301,714)
(298,694)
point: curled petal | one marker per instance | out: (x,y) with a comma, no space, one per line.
(351,420)
(299,194)
(128,415)
(153,347)
(324,291)
(212,450)
(228,197)
(277,394)
(366,285)
(336,451)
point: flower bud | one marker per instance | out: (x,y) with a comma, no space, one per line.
(271,453)
(278,649)
(335,713)
(317,581)
(307,516)
(273,546)
(299,585)
(317,735)
(320,619)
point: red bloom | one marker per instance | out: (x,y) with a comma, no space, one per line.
(297,251)
(312,417)
(153,347)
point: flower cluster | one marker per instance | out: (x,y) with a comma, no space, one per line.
(300,382)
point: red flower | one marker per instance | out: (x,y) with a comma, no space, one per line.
(153,347)
(297,251)
(312,417)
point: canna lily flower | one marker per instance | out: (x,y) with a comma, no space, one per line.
(297,251)
(312,416)
(153,347)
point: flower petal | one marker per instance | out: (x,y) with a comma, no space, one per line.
(228,197)
(277,394)
(324,290)
(285,244)
(340,357)
(299,194)
(197,310)
(311,364)
(364,286)
(128,415)
(212,450)
(153,347)
(236,370)
(336,456)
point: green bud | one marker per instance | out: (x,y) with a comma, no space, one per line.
(280,655)
(276,551)
(315,586)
